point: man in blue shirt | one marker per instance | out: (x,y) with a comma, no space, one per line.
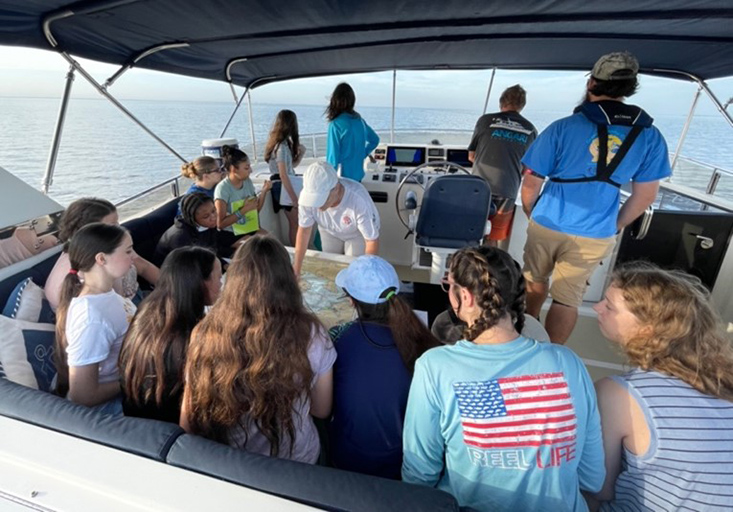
(574,221)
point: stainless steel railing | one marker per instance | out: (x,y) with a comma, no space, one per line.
(316,146)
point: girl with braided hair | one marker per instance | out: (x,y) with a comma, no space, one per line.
(196,225)
(501,421)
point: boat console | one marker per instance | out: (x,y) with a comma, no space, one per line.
(396,190)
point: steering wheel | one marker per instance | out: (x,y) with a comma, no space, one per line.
(450,167)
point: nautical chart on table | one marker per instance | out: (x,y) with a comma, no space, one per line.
(317,280)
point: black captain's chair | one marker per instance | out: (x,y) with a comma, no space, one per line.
(454,214)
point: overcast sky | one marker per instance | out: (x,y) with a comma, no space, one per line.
(37,73)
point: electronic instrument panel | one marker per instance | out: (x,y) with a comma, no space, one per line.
(395,161)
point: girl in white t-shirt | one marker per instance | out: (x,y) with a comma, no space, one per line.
(92,318)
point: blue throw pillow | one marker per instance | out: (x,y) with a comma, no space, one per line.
(27,302)
(26,353)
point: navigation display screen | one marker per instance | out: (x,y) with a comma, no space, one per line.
(405,156)
(460,157)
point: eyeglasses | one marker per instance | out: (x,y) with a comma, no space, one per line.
(445,284)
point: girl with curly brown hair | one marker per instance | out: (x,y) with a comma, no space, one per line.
(259,364)
(499,420)
(667,425)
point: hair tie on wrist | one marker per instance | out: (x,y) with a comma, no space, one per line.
(73,271)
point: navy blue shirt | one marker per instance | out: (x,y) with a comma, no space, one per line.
(371,384)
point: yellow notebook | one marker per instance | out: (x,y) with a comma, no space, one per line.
(249,224)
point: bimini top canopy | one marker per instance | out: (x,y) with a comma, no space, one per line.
(254,42)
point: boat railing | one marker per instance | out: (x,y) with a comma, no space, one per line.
(685,165)
(719,185)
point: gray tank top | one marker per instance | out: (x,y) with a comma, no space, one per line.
(689,464)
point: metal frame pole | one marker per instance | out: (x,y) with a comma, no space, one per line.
(234,93)
(685,129)
(56,141)
(394,100)
(705,88)
(117,104)
(251,123)
(717,103)
(234,112)
(488,92)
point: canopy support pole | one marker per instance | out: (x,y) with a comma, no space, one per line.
(251,123)
(724,112)
(234,112)
(488,92)
(704,87)
(394,99)
(234,93)
(688,122)
(101,90)
(56,141)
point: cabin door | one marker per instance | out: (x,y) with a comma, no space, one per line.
(695,242)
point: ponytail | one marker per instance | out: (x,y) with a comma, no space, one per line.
(70,288)
(199,167)
(412,338)
(232,156)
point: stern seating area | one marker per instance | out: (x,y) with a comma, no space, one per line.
(167,443)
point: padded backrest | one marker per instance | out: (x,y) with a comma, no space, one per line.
(454,211)
(318,486)
(39,272)
(148,438)
(147,230)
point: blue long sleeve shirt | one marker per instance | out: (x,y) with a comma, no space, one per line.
(512,427)
(350,140)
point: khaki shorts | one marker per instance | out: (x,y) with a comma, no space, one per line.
(570,259)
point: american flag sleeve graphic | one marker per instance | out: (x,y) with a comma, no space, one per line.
(516,412)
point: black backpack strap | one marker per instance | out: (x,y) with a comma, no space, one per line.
(605,170)
(620,154)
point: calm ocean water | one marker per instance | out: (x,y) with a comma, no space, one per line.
(105,154)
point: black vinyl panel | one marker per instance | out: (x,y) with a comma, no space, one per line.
(302,38)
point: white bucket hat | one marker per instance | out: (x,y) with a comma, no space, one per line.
(318,180)
(369,279)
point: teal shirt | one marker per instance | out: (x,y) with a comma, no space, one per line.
(504,427)
(226,192)
(350,140)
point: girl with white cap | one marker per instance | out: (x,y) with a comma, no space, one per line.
(373,371)
(345,214)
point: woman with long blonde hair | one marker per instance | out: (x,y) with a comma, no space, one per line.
(668,424)
(259,364)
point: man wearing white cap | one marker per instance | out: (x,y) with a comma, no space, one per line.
(346,216)
(587,157)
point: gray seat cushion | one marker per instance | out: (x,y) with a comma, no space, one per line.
(318,486)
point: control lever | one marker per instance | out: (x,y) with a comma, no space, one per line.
(410,200)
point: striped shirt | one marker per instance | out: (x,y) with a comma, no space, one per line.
(689,463)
